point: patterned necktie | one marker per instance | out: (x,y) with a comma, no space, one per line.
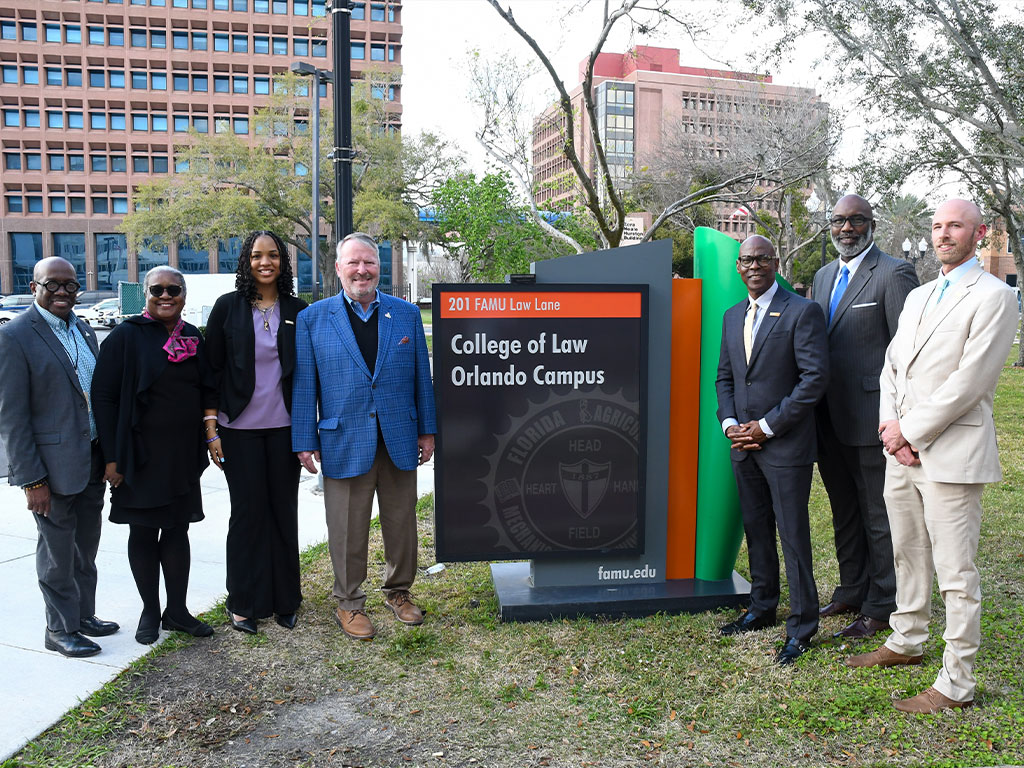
(837,294)
(748,328)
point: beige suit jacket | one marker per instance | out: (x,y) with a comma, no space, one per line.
(940,374)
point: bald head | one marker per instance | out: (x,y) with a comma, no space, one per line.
(759,242)
(44,266)
(957,229)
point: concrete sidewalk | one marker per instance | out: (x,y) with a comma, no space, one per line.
(39,686)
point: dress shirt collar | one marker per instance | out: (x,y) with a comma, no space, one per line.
(363,314)
(853,263)
(55,322)
(956,274)
(765,299)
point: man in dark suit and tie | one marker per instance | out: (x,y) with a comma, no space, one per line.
(772,372)
(862,294)
(363,404)
(47,357)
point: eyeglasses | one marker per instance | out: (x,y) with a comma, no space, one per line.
(156,291)
(763,260)
(55,285)
(838,222)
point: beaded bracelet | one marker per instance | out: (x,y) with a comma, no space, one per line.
(37,484)
(210,440)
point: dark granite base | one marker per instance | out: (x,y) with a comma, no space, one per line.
(519,601)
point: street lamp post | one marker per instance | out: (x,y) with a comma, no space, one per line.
(341,26)
(318,76)
(906,248)
(819,208)
(921,248)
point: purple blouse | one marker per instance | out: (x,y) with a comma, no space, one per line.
(266,409)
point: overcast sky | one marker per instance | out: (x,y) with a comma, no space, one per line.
(438,35)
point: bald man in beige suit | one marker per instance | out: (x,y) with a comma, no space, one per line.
(937,385)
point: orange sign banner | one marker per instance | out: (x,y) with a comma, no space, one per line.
(466,304)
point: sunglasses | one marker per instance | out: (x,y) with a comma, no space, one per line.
(156,291)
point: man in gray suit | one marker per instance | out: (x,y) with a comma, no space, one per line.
(47,357)
(862,294)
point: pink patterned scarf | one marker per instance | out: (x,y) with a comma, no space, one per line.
(178,347)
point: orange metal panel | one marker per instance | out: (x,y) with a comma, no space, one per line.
(683,429)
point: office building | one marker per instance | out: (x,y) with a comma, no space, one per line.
(95,94)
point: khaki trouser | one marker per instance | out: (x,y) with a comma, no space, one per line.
(935,529)
(349,504)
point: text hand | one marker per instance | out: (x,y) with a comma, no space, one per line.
(426,446)
(306,458)
(111,475)
(39,500)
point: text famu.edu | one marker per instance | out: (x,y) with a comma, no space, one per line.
(614,574)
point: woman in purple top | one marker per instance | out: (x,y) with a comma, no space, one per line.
(250,343)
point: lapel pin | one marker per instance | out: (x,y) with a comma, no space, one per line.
(387,315)
(774,314)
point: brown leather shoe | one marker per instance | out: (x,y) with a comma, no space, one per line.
(835,608)
(356,624)
(404,608)
(882,657)
(929,702)
(862,626)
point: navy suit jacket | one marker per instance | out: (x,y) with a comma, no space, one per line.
(336,402)
(786,377)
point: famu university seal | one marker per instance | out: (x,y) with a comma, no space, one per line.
(565,475)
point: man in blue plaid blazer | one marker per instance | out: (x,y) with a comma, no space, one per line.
(363,407)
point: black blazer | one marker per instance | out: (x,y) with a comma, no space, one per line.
(786,377)
(231,349)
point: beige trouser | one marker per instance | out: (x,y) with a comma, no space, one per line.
(935,528)
(349,504)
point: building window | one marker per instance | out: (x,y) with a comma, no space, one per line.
(116,78)
(31,118)
(220,42)
(115,36)
(200,83)
(280,6)
(76,163)
(55,162)
(220,5)
(280,46)
(77,204)
(160,164)
(117,121)
(72,34)
(180,166)
(33,161)
(96,78)
(139,80)
(179,41)
(10,74)
(240,84)
(359,51)
(98,163)
(201,124)
(391,52)
(359,11)
(260,44)
(98,121)
(199,4)
(261,85)
(53,76)
(158,39)
(35,203)
(8,30)
(96,35)
(58,205)
(221,125)
(377,52)
(11,118)
(140,123)
(51,33)
(74,78)
(30,75)
(120,204)
(160,122)
(158,81)
(54,119)
(140,164)
(261,6)
(14,204)
(76,120)
(29,32)
(240,43)
(119,164)
(241,126)
(221,84)
(12,161)
(100,205)
(179,3)
(319,49)
(199,41)
(181,123)
(300,7)
(376,12)
(138,38)
(319,8)
(300,47)
(180,82)
(240,5)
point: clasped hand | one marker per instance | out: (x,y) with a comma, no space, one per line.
(896,444)
(746,437)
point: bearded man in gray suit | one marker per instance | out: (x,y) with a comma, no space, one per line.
(862,294)
(47,357)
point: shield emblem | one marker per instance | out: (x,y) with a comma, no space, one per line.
(584,484)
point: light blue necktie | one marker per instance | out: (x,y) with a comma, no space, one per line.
(945,285)
(837,294)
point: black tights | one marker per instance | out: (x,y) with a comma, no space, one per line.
(149,550)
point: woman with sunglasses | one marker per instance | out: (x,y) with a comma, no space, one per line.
(250,341)
(149,391)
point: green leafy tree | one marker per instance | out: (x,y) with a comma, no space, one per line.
(487,230)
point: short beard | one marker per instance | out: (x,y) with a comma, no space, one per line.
(849,251)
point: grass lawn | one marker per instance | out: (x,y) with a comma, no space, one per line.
(665,690)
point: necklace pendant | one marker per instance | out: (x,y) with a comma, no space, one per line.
(266,324)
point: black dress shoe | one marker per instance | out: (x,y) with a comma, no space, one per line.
(748,622)
(191,626)
(149,629)
(791,651)
(245,625)
(286,620)
(861,627)
(73,644)
(835,608)
(94,627)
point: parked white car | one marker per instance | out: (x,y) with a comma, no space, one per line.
(102,315)
(6,316)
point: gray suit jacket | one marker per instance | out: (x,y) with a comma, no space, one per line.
(864,324)
(44,415)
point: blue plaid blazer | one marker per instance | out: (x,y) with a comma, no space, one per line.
(336,403)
